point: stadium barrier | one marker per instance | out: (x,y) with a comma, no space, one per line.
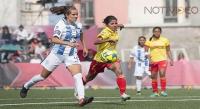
(183,73)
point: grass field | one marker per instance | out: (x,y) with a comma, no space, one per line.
(104,99)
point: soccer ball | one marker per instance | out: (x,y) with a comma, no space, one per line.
(109,56)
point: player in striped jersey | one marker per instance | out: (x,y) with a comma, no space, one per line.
(140,58)
(66,33)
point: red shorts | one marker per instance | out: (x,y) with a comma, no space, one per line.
(98,67)
(156,66)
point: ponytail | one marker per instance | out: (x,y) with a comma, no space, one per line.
(151,38)
(62,10)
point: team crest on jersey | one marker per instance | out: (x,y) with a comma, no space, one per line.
(57,32)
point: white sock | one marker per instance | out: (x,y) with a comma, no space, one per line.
(75,93)
(138,84)
(33,81)
(79,85)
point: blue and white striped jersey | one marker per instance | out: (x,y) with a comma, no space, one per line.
(138,53)
(67,32)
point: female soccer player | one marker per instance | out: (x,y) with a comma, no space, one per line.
(66,33)
(159,53)
(107,39)
(140,57)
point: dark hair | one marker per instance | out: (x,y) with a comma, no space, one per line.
(157,27)
(21,26)
(62,10)
(108,19)
(140,38)
(154,28)
(6,35)
(5,27)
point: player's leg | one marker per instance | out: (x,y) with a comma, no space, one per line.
(138,84)
(138,74)
(95,68)
(121,81)
(74,67)
(35,79)
(75,70)
(90,75)
(154,75)
(147,75)
(49,64)
(162,71)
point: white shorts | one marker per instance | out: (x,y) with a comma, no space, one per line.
(141,70)
(53,60)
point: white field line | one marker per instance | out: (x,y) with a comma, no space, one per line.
(67,98)
(104,101)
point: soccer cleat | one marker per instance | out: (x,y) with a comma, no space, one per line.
(138,93)
(23,92)
(154,95)
(164,94)
(85,101)
(125,97)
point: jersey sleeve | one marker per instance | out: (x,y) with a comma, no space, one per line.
(58,30)
(167,42)
(103,34)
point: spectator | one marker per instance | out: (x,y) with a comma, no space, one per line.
(40,49)
(43,38)
(181,56)
(31,35)
(21,35)
(6,35)
(32,45)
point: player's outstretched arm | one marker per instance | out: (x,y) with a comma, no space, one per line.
(100,41)
(169,54)
(85,50)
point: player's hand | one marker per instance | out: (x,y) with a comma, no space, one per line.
(74,44)
(85,52)
(121,26)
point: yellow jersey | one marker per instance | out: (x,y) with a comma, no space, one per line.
(158,51)
(106,34)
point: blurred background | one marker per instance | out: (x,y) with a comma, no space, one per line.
(27,25)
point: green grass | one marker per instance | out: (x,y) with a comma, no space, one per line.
(104,99)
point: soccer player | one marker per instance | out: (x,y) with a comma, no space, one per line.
(140,57)
(159,53)
(107,39)
(66,33)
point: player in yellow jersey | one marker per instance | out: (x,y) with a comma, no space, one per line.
(159,53)
(107,39)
